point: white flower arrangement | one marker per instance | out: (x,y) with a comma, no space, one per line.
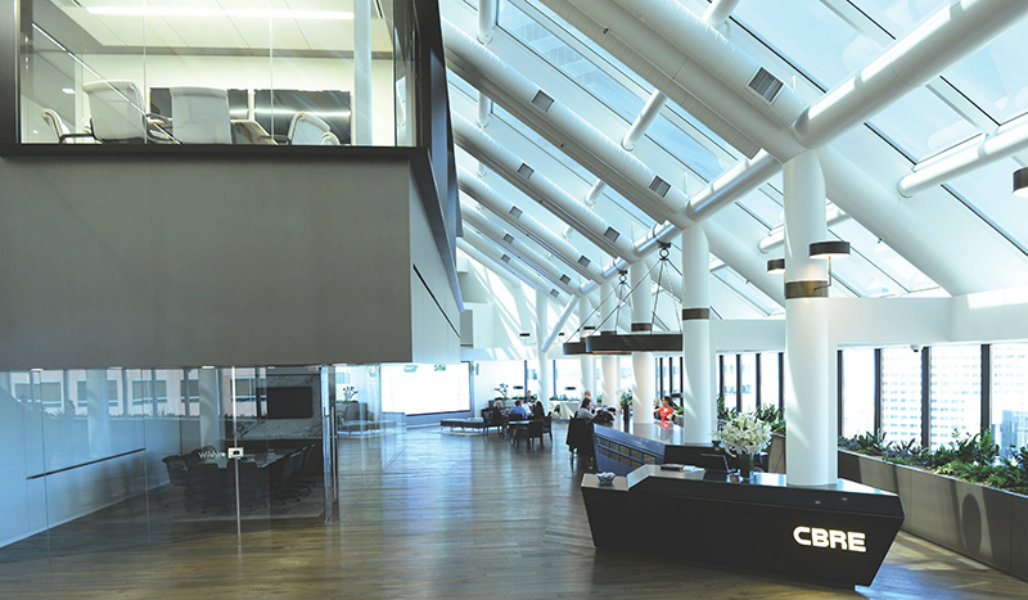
(746,434)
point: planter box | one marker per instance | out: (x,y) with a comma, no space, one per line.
(978,521)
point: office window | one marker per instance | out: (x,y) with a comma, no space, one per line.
(769,379)
(728,379)
(748,372)
(568,381)
(47,393)
(1010,395)
(142,391)
(956,391)
(901,394)
(112,393)
(858,391)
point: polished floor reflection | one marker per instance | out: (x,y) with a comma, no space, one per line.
(439,515)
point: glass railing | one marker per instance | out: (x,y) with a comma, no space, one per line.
(262,72)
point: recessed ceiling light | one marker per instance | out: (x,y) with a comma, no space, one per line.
(68,91)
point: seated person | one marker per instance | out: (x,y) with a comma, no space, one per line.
(666,412)
(586,410)
(537,410)
(518,412)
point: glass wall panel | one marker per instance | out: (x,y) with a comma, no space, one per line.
(266,72)
(901,394)
(748,371)
(858,391)
(769,378)
(99,459)
(1010,395)
(956,391)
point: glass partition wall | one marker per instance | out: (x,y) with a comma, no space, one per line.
(95,459)
(210,71)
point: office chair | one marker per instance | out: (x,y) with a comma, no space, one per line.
(307,130)
(117,115)
(200,115)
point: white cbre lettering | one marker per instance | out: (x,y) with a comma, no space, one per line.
(796,535)
(833,539)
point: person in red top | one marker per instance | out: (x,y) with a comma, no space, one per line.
(666,411)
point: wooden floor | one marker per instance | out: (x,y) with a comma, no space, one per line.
(432,514)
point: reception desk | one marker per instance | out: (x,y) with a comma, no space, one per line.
(621,452)
(837,535)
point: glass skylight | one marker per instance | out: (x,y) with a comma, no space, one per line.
(811,36)
(996,77)
(989,190)
(920,124)
(568,61)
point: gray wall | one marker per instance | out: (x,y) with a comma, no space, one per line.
(171,261)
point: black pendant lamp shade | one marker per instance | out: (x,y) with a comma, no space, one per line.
(829,249)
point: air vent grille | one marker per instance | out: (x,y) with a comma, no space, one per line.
(766,85)
(508,238)
(565,279)
(659,187)
(611,234)
(582,260)
(525,171)
(542,101)
(515,212)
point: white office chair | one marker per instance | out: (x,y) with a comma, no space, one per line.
(307,130)
(62,135)
(200,115)
(117,115)
(329,139)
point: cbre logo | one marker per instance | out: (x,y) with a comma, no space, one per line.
(834,539)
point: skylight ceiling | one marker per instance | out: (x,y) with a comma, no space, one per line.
(812,47)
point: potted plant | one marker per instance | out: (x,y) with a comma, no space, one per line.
(744,435)
(626,407)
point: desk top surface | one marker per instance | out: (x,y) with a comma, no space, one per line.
(667,434)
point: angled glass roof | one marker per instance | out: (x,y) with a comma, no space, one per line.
(812,45)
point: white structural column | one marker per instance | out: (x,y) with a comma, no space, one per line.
(609,365)
(697,396)
(643,365)
(362,102)
(587,316)
(806,326)
(98,415)
(210,408)
(545,366)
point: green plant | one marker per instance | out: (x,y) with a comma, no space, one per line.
(626,399)
(502,390)
(724,413)
(350,393)
(971,457)
(772,416)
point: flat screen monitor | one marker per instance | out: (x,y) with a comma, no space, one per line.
(295,402)
(275,109)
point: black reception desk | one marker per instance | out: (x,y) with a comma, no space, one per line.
(837,535)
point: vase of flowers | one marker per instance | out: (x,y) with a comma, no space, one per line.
(745,435)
